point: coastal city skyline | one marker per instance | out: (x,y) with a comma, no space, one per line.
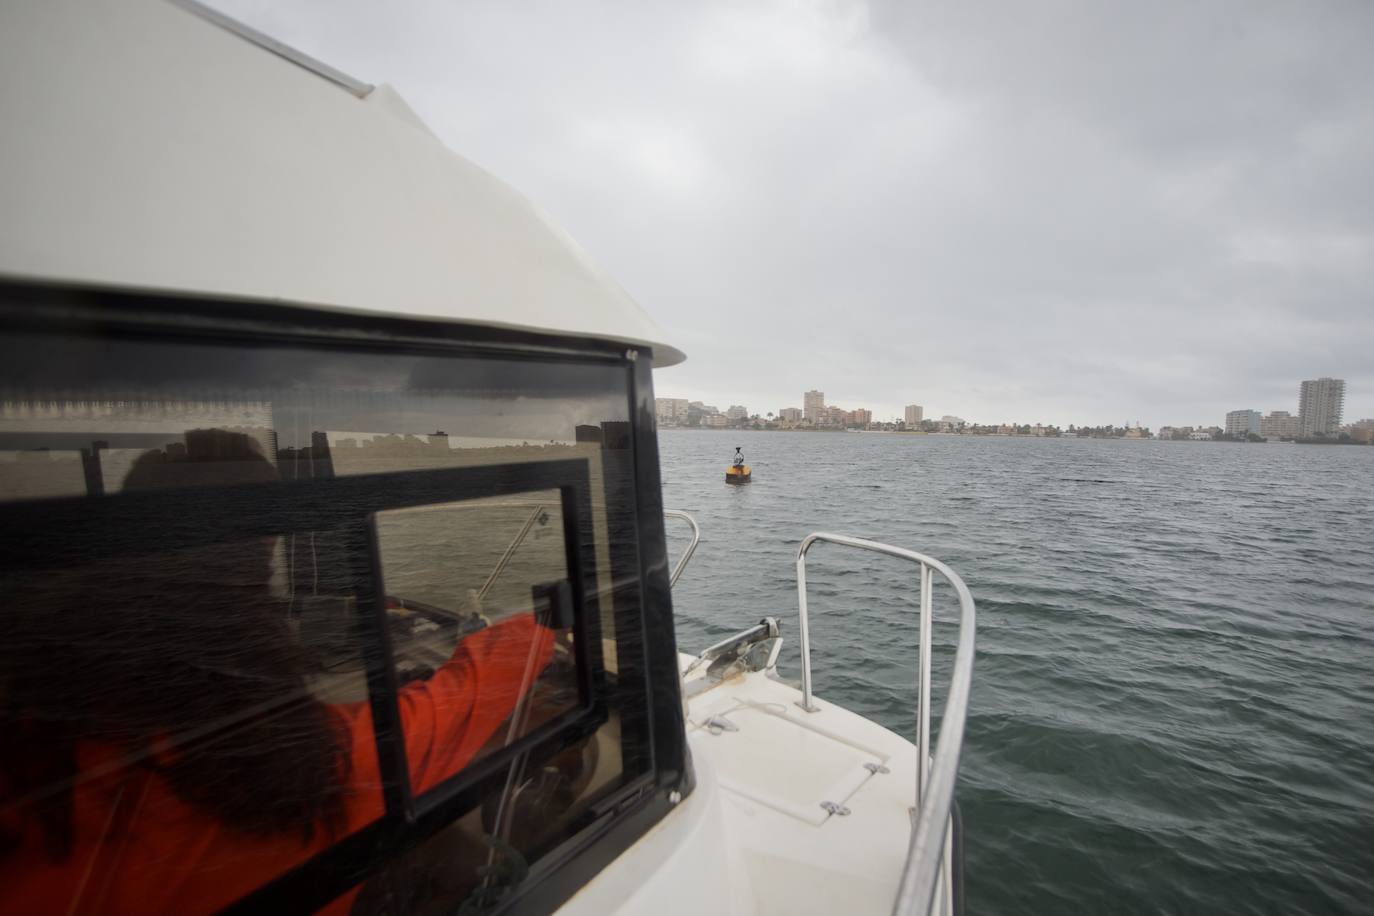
(1320,416)
(1166,260)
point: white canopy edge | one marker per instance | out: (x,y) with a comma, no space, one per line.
(144,147)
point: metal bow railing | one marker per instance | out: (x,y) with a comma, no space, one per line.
(691,546)
(927,867)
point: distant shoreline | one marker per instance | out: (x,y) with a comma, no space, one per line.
(919,432)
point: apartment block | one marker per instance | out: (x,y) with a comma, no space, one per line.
(1280,424)
(1243,422)
(671,411)
(1320,404)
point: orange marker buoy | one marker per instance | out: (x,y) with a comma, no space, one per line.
(738,472)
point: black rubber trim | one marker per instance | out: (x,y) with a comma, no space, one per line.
(660,635)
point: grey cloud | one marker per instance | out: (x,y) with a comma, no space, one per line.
(1055,212)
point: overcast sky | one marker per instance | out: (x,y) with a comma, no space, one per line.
(1069,213)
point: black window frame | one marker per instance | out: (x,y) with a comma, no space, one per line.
(617,822)
(570,478)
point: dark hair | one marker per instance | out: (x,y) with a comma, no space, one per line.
(180,659)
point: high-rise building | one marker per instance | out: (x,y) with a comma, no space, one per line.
(813,402)
(737,412)
(790,415)
(1243,422)
(914,415)
(860,416)
(1320,403)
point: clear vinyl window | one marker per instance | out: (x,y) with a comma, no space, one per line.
(452,571)
(262,600)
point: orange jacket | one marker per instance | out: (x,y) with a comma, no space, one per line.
(139,848)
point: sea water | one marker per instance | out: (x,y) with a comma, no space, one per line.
(1173,700)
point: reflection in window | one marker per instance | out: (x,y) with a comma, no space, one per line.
(499,563)
(41,473)
(166,746)
(188,715)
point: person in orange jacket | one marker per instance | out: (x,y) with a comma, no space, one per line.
(164,751)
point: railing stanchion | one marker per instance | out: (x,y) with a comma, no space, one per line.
(803,630)
(947,871)
(923,698)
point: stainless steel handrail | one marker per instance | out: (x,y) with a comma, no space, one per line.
(927,859)
(691,547)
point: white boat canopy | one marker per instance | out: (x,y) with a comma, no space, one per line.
(148,145)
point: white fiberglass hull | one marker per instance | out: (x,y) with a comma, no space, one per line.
(793,812)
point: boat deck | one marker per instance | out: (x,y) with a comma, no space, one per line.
(782,773)
(794,811)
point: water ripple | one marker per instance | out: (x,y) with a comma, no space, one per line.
(1172,695)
